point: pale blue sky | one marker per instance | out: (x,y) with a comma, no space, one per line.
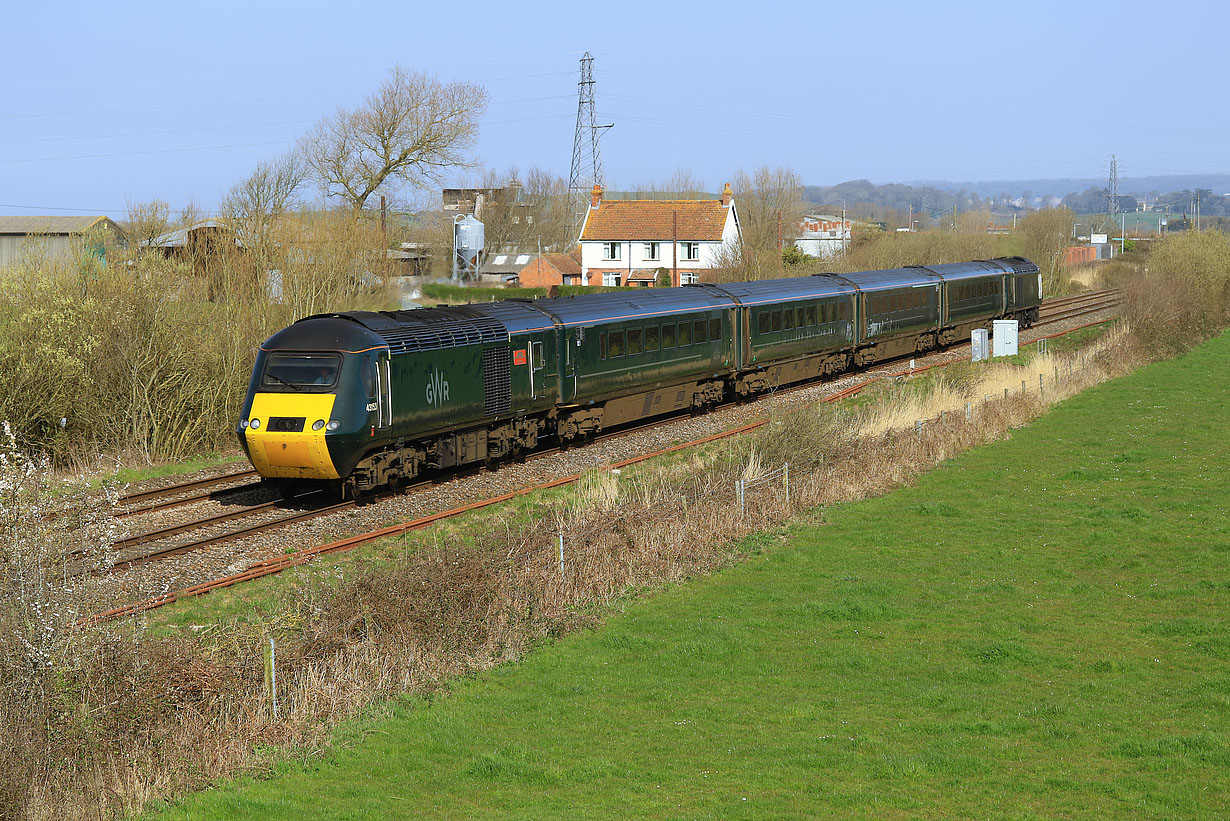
(110,103)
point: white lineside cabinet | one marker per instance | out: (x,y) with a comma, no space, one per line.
(979,345)
(1003,341)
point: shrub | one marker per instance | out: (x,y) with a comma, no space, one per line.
(150,356)
(1182,296)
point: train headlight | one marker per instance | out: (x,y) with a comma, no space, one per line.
(256,423)
(333,424)
(243,423)
(318,424)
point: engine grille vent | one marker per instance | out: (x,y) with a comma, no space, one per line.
(497,381)
(433,329)
(1019,265)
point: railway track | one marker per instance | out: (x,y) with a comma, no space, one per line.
(1053,311)
(132,503)
(133,561)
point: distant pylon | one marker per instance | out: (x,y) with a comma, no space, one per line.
(1112,196)
(586,169)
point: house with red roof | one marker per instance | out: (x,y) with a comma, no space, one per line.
(631,242)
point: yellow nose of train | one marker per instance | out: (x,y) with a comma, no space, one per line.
(284,446)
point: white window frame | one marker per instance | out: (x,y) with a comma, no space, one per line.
(688,278)
(689,251)
(653,251)
(611,250)
(610,279)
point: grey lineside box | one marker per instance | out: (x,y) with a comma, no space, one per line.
(980,345)
(1003,343)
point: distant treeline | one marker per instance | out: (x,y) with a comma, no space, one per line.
(874,202)
(869,201)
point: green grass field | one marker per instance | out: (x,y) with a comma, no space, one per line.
(1039,628)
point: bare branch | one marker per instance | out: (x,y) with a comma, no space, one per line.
(409,131)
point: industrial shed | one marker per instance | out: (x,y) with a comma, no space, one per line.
(55,238)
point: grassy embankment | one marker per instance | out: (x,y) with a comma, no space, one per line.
(1036,628)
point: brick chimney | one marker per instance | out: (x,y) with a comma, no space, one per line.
(595,196)
(727,195)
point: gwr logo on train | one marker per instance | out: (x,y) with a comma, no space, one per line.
(437,388)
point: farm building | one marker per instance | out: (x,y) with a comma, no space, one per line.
(193,241)
(55,238)
(823,235)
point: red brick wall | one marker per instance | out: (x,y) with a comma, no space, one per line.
(540,274)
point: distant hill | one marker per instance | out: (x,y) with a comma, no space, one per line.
(1082,195)
(1135,186)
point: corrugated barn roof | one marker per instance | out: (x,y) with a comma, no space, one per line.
(50,225)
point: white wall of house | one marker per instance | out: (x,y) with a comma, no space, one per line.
(820,247)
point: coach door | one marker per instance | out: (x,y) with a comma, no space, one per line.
(571,364)
(1013,294)
(382,377)
(543,375)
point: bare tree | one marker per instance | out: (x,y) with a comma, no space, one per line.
(767,198)
(269,192)
(189,215)
(682,183)
(147,221)
(411,130)
(522,214)
(1044,236)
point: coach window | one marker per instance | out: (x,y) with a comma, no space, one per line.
(668,335)
(651,338)
(777,320)
(536,356)
(634,341)
(811,315)
(788,318)
(616,345)
(685,334)
(698,331)
(762,321)
(602,346)
(715,329)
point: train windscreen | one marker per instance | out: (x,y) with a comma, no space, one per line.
(300,372)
